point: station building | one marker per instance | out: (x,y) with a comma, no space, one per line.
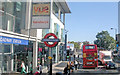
(19,42)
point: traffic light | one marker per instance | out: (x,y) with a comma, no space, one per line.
(67,52)
(67,57)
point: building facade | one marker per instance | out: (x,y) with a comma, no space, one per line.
(19,42)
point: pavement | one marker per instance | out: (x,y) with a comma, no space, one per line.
(96,71)
(58,67)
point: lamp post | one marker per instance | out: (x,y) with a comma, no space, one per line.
(65,41)
(115,32)
(115,35)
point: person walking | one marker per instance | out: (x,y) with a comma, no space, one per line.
(66,70)
(23,68)
(68,66)
(31,68)
(76,63)
(40,68)
(72,66)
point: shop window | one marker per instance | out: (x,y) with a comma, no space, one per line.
(6,48)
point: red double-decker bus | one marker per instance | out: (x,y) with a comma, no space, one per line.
(90,57)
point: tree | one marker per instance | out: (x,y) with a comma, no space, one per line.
(76,44)
(105,41)
(85,43)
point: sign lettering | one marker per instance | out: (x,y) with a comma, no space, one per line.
(10,40)
(41,9)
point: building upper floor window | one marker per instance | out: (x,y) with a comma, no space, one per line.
(58,12)
(55,9)
(62,35)
(57,29)
(12,16)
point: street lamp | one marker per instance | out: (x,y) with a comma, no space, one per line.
(115,32)
(115,35)
(65,41)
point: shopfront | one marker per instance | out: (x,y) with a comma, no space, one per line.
(43,53)
(13,51)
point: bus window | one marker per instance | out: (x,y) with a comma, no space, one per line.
(89,47)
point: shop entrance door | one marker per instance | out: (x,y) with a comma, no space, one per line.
(6,62)
(22,56)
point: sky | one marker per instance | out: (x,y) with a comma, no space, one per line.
(88,18)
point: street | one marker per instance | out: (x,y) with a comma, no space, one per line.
(60,67)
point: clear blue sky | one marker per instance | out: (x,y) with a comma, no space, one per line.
(89,18)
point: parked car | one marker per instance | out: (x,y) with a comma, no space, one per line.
(110,65)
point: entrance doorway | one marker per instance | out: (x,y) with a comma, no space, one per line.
(6,62)
(22,56)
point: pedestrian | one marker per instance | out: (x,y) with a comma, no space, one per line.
(76,63)
(54,57)
(23,68)
(66,70)
(72,66)
(40,68)
(69,65)
(31,68)
(48,68)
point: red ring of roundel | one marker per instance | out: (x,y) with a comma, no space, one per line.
(48,35)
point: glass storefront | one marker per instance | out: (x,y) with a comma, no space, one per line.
(23,53)
(6,57)
(42,54)
(13,59)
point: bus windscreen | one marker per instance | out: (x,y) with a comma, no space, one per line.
(89,47)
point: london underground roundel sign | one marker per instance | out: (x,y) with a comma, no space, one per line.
(47,39)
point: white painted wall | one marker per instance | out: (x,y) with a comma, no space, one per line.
(39,33)
(56,20)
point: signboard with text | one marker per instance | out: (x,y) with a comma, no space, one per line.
(40,22)
(41,16)
(41,9)
(10,40)
(46,39)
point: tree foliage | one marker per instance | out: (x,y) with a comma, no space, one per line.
(104,40)
(85,43)
(76,44)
